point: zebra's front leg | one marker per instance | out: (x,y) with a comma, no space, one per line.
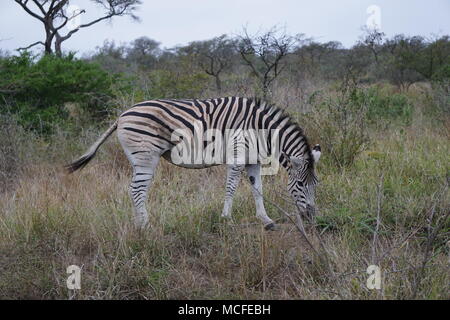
(254,175)
(140,184)
(233,178)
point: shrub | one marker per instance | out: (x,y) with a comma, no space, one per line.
(385,106)
(340,124)
(441,92)
(38,90)
(443,74)
(170,84)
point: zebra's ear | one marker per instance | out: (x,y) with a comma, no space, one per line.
(316,152)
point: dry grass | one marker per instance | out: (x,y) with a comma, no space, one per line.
(398,189)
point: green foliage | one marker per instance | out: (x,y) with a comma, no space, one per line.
(440,102)
(386,106)
(37,90)
(443,74)
(170,84)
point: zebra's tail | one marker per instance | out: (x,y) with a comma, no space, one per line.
(89,155)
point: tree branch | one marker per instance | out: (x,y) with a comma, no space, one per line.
(40,7)
(23,4)
(31,45)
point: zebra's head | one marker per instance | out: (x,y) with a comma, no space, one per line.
(302,181)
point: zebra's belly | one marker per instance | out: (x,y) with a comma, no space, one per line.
(180,162)
(209,158)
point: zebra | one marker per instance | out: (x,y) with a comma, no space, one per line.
(145,132)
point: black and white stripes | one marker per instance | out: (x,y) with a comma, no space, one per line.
(151,129)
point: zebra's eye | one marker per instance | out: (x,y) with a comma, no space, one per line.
(300,184)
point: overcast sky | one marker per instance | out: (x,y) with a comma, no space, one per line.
(174,22)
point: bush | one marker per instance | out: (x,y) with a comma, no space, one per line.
(38,90)
(441,92)
(174,85)
(390,107)
(442,75)
(340,124)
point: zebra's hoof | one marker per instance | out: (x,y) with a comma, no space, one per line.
(270,227)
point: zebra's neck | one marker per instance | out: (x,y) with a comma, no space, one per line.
(291,140)
(292,143)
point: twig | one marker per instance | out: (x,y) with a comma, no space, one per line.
(377,227)
(399,244)
(31,45)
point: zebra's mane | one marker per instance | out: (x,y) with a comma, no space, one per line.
(271,109)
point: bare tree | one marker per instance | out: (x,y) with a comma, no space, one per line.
(54,15)
(264,54)
(373,40)
(213,56)
(310,54)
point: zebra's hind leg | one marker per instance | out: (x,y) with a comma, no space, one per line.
(254,175)
(233,178)
(144,166)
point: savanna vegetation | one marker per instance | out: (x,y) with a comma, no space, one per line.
(380,110)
